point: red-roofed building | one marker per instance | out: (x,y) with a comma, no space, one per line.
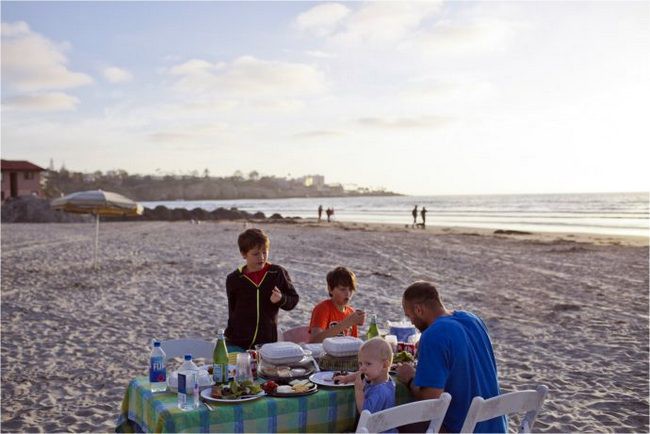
(20,178)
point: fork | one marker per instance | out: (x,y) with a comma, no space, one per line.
(209,406)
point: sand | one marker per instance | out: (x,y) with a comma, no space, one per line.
(567,311)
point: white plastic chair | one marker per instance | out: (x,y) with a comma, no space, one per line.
(529,401)
(196,347)
(298,335)
(432,410)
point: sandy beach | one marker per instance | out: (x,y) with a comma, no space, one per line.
(567,311)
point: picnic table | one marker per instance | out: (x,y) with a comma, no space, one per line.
(328,410)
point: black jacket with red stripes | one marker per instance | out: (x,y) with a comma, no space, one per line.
(252,318)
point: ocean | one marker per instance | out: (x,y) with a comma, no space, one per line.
(591,213)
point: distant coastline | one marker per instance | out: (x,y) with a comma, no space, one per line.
(195,187)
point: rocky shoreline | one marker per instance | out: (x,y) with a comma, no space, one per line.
(29,209)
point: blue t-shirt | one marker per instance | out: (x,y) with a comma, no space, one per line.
(455,354)
(377,397)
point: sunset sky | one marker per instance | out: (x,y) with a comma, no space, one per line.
(416,97)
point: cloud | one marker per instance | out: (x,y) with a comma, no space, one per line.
(117,75)
(317,134)
(249,77)
(52,101)
(405,123)
(477,35)
(31,62)
(428,27)
(322,20)
(320,54)
(373,22)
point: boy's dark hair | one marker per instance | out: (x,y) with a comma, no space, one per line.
(341,276)
(423,293)
(251,238)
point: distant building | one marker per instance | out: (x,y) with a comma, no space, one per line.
(316,181)
(20,178)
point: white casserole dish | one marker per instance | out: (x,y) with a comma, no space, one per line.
(281,353)
(342,346)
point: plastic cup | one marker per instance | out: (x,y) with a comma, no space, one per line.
(392,340)
(244,369)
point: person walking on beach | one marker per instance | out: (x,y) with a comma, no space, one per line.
(320,212)
(329,213)
(423,213)
(455,355)
(415,215)
(256,292)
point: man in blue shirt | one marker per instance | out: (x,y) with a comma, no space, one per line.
(454,355)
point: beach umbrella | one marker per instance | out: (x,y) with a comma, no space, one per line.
(98,203)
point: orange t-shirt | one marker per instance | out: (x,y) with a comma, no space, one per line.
(326,315)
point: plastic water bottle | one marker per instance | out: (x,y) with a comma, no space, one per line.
(157,370)
(188,377)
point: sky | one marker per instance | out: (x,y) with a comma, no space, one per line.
(418,98)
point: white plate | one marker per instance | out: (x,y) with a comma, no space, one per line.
(324,378)
(205,394)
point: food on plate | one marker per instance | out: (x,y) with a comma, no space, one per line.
(269,370)
(403,357)
(301,386)
(284,389)
(339,374)
(269,386)
(215,392)
(284,371)
(298,372)
(235,390)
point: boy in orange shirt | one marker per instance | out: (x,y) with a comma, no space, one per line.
(335,317)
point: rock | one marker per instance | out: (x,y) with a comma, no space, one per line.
(31,209)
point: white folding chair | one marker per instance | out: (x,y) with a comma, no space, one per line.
(432,410)
(529,401)
(196,347)
(298,335)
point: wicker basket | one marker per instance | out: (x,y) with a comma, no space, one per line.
(330,363)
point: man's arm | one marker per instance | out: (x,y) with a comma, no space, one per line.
(406,374)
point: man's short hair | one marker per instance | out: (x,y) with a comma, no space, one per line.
(341,276)
(423,293)
(251,238)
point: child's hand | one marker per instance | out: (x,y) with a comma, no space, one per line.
(276,295)
(358,317)
(359,381)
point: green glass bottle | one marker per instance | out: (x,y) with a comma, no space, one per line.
(373,330)
(220,360)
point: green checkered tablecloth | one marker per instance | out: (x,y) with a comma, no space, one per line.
(328,410)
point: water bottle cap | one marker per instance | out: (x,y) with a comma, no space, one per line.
(188,357)
(156,343)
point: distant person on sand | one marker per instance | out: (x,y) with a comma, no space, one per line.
(256,292)
(423,213)
(415,215)
(320,212)
(329,212)
(335,316)
(455,355)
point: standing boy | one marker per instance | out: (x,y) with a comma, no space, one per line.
(335,317)
(256,291)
